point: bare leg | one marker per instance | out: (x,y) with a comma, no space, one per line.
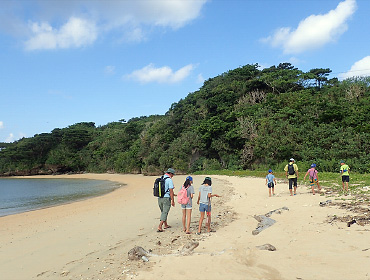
(209,222)
(184,219)
(273,191)
(160,225)
(188,221)
(269,191)
(201,221)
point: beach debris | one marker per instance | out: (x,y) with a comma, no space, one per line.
(350,220)
(64,273)
(351,223)
(322,204)
(360,208)
(264,221)
(189,248)
(277,211)
(137,253)
(267,247)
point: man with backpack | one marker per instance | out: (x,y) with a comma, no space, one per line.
(291,172)
(167,200)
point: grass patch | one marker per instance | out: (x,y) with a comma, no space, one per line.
(359,183)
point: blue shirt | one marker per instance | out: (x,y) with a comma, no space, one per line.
(168,185)
(270,178)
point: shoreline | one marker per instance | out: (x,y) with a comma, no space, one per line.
(90,239)
(66,202)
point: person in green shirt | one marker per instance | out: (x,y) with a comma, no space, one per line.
(344,171)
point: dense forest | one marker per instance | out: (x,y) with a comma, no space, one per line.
(245,118)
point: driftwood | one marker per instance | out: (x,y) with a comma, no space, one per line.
(264,221)
(267,247)
(138,252)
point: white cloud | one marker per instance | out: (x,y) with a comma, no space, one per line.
(1,124)
(163,74)
(314,31)
(174,13)
(110,70)
(10,138)
(77,23)
(134,35)
(76,32)
(294,61)
(359,69)
(200,79)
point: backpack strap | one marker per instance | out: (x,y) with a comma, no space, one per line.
(164,179)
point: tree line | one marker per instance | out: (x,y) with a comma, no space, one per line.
(245,118)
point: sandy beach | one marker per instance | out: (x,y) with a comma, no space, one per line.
(90,239)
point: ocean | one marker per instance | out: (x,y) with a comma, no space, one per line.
(22,195)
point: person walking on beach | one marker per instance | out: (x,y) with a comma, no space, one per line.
(204,202)
(270,179)
(344,171)
(314,179)
(291,172)
(187,208)
(167,200)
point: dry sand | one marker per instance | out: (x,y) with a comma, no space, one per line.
(90,239)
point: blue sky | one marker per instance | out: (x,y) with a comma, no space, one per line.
(65,62)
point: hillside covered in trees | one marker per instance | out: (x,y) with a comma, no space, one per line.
(242,119)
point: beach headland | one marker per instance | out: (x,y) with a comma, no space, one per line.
(90,239)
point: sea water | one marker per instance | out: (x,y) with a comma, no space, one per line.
(22,195)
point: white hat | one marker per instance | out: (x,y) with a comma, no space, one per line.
(292,159)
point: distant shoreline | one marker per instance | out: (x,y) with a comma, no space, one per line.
(69,200)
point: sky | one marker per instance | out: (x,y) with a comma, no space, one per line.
(68,61)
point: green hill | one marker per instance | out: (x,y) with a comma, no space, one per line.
(245,118)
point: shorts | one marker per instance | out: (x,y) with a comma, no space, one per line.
(292,181)
(313,182)
(186,206)
(204,207)
(270,185)
(164,204)
(345,178)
